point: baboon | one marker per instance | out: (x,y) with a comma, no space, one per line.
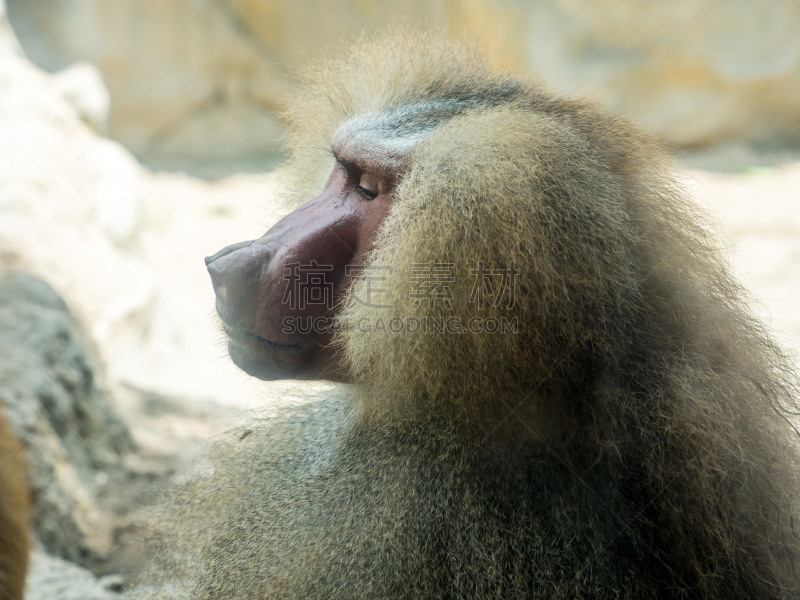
(14,541)
(552,386)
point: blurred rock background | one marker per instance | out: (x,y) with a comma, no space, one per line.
(138,137)
(200,83)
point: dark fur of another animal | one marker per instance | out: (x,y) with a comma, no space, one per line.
(14,515)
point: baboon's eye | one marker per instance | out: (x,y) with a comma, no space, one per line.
(368,185)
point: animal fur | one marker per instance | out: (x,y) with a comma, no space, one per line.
(635,438)
(14,513)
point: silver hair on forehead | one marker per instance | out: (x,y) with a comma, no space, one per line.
(392,132)
(389,134)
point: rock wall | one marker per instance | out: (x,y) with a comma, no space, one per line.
(70,201)
(206,78)
(122,245)
(51,392)
(8,41)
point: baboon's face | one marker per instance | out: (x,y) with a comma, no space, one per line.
(277,296)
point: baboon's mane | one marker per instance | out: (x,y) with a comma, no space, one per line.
(640,411)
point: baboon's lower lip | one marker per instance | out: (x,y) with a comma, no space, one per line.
(243,335)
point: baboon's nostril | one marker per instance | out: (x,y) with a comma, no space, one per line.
(222,272)
(216,280)
(216,276)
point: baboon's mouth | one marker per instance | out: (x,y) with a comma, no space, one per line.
(237,334)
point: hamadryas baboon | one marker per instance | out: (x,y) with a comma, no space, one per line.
(552,385)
